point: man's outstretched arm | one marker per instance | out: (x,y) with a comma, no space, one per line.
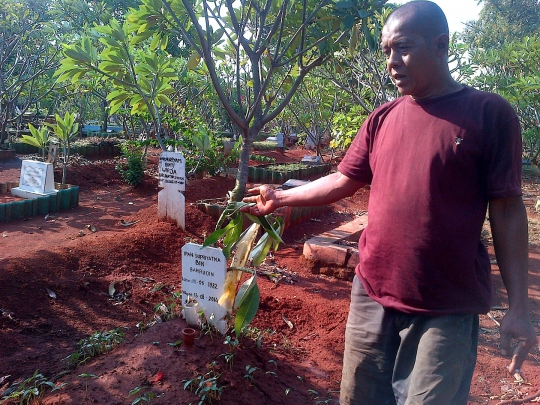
(508,220)
(322,191)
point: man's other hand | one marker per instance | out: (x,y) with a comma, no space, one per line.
(519,329)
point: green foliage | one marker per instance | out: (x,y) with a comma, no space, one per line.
(65,130)
(262,158)
(249,373)
(28,391)
(205,387)
(502,22)
(512,72)
(28,56)
(38,138)
(94,345)
(271,46)
(345,126)
(141,396)
(132,170)
(140,76)
(229,233)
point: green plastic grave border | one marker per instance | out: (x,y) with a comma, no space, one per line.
(64,199)
(261,174)
(84,150)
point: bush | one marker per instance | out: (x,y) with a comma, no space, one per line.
(132,171)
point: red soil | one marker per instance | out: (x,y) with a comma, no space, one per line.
(298,365)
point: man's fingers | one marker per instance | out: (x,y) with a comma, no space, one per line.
(505,344)
(254,191)
(515,365)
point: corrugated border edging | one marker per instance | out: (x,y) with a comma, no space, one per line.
(63,200)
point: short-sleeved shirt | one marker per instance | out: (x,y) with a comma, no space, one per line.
(433,165)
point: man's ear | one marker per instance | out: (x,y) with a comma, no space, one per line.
(441,42)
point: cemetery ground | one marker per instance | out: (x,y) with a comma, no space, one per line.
(292,352)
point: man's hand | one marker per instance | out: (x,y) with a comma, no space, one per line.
(265,200)
(520,329)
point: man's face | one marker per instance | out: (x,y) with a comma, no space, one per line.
(411,59)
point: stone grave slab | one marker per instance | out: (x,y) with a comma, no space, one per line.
(172,177)
(312,160)
(37,180)
(203,279)
(292,183)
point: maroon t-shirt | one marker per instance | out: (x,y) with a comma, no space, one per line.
(433,165)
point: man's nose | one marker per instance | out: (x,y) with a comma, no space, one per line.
(393,60)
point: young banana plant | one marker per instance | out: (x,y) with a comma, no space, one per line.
(246,300)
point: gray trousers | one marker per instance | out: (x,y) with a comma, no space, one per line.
(396,358)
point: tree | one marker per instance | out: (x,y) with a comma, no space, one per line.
(140,77)
(313,107)
(272,44)
(513,72)
(28,56)
(503,21)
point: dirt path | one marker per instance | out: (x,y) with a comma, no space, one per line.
(298,365)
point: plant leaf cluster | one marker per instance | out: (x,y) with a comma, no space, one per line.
(246,300)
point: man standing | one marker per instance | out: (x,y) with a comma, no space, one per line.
(435,158)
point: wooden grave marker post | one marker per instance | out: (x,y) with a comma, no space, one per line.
(172,177)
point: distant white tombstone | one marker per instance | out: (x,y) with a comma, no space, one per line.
(279,139)
(203,278)
(37,180)
(172,177)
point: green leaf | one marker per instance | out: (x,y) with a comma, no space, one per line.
(247,310)
(266,225)
(259,252)
(244,290)
(194,60)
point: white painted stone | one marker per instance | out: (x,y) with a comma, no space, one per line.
(172,177)
(37,180)
(203,278)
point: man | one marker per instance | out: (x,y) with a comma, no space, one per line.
(434,158)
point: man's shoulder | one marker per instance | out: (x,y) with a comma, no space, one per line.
(480,96)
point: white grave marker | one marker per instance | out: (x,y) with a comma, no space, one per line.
(37,180)
(203,278)
(172,177)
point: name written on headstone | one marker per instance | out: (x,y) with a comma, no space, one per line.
(33,177)
(172,169)
(203,278)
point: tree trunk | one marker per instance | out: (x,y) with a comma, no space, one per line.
(243,164)
(104,116)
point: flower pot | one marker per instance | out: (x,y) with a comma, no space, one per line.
(188,336)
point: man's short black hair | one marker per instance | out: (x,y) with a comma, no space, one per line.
(425,16)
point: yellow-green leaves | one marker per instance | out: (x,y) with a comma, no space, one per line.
(39,137)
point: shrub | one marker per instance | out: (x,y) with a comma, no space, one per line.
(132,171)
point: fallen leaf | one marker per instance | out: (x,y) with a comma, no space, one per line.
(51,293)
(288,322)
(125,223)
